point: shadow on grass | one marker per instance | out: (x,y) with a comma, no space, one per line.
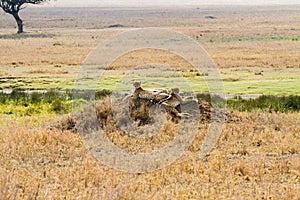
(26,35)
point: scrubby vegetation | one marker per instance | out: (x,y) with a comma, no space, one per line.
(264,103)
(28,103)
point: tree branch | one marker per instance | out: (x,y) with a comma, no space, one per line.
(14,6)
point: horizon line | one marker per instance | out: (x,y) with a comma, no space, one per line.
(165,5)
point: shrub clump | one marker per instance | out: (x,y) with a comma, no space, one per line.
(267,103)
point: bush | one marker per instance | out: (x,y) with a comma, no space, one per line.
(3,98)
(270,103)
(102,94)
(61,107)
(36,98)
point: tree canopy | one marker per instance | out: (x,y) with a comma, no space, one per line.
(14,6)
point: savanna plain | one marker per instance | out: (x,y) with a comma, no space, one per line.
(256,50)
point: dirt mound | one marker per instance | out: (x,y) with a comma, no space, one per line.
(207,111)
(104,116)
(64,123)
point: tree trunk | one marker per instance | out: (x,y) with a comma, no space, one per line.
(19,22)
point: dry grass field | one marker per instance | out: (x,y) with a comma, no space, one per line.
(257,51)
(257,157)
(250,45)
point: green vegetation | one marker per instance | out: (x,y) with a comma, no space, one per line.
(264,103)
(283,81)
(21,103)
(57,43)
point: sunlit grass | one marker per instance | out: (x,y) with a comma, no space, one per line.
(259,149)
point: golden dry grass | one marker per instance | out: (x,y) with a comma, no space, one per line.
(257,157)
(75,44)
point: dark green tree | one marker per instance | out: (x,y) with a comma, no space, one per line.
(14,6)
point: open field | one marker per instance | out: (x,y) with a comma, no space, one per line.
(257,157)
(256,50)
